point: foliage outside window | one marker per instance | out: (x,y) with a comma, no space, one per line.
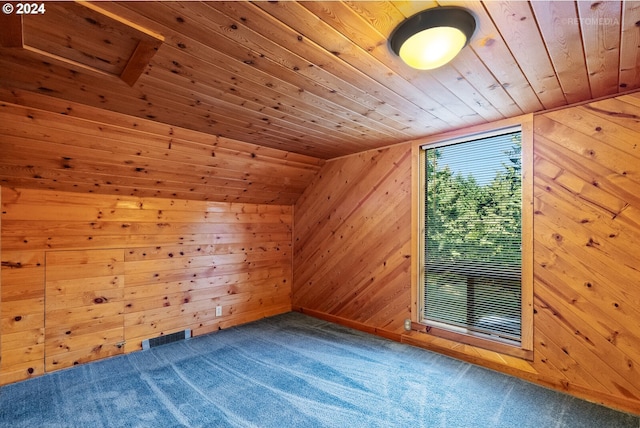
(472,240)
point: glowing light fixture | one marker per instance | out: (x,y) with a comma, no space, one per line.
(433,37)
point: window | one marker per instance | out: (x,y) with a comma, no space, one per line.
(474,244)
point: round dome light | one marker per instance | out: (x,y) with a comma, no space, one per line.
(433,37)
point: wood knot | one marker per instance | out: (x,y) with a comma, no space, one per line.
(12,265)
(488,42)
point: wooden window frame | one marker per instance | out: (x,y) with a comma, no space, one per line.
(525,349)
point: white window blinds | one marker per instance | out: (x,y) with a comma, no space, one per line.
(473,240)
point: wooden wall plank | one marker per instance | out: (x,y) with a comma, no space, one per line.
(154,130)
(601,45)
(352,239)
(520,31)
(388,108)
(11,35)
(491,48)
(558,23)
(271,59)
(630,47)
(179,259)
(66,311)
(586,236)
(22,314)
(97,152)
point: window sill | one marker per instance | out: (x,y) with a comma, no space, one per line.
(478,342)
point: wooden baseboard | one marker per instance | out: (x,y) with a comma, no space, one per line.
(349,323)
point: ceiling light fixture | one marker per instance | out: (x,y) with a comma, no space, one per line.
(433,37)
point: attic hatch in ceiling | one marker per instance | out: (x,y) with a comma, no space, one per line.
(83,35)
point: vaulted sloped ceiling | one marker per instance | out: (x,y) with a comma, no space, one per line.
(317,78)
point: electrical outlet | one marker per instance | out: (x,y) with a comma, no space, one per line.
(407,324)
(218,311)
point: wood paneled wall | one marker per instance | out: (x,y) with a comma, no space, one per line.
(351,249)
(180,260)
(50,143)
(587,248)
(352,240)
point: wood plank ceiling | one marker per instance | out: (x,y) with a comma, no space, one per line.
(318,78)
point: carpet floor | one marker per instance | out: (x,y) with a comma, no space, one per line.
(291,370)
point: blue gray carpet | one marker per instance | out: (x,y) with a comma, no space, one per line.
(291,371)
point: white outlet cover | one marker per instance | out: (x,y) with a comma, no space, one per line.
(218,311)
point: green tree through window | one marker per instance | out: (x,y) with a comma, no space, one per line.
(473,223)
